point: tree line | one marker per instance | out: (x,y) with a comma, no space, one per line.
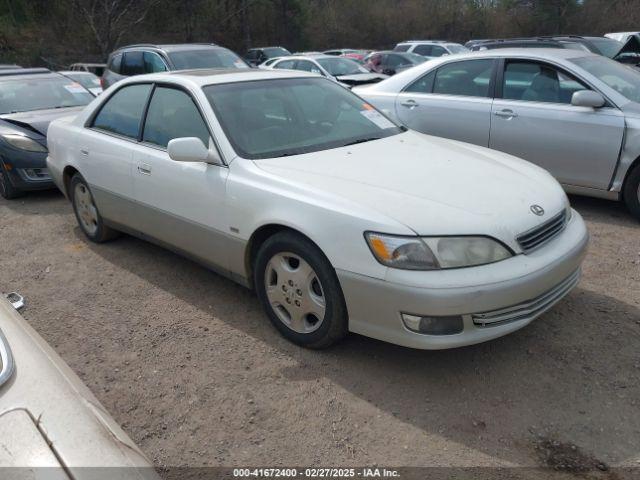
(55,33)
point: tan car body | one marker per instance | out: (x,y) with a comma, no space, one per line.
(49,418)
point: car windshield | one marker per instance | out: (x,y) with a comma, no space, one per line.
(206,58)
(455,48)
(276,52)
(26,94)
(87,80)
(606,46)
(624,80)
(341,66)
(276,118)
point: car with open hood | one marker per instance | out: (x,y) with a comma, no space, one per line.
(343,70)
(338,217)
(30,98)
(51,425)
(572,112)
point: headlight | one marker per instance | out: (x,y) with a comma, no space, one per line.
(433,253)
(23,143)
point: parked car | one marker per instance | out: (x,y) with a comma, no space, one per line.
(149,58)
(430,48)
(30,98)
(51,425)
(342,70)
(95,68)
(338,217)
(601,45)
(621,36)
(390,62)
(87,79)
(256,56)
(269,62)
(574,113)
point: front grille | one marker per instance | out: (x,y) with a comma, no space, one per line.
(530,309)
(538,236)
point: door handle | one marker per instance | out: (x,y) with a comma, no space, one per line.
(84,152)
(505,114)
(410,104)
(144,169)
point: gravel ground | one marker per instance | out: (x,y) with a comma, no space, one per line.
(186,361)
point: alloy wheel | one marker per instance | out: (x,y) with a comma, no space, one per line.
(87,212)
(295,292)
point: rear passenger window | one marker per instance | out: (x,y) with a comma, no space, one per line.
(424,84)
(401,48)
(153,63)
(132,63)
(172,114)
(438,51)
(286,64)
(122,113)
(424,50)
(470,78)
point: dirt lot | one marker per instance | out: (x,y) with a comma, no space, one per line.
(188,364)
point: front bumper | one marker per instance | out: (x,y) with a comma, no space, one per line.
(493,300)
(28,171)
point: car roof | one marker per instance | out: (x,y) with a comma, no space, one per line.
(173,47)
(75,72)
(203,77)
(552,53)
(21,73)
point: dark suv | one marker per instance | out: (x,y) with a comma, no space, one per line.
(147,58)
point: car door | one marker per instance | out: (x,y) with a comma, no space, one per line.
(181,204)
(452,101)
(533,119)
(105,151)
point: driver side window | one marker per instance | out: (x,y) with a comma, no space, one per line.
(539,82)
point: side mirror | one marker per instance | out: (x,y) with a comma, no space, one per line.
(191,149)
(587,98)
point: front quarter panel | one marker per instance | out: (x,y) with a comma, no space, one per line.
(256,199)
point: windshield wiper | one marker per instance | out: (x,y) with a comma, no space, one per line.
(361,140)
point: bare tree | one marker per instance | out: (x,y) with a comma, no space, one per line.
(109,20)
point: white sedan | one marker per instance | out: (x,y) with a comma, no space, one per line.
(338,218)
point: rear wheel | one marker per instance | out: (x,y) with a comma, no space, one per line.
(299,290)
(87,213)
(631,193)
(7,190)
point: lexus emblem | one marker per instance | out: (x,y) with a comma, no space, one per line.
(537,210)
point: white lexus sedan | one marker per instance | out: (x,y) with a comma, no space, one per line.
(340,219)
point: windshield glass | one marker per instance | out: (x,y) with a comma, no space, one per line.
(87,80)
(206,58)
(25,94)
(276,52)
(341,66)
(275,118)
(607,46)
(623,79)
(455,48)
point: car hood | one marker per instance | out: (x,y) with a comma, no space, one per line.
(361,78)
(431,185)
(39,120)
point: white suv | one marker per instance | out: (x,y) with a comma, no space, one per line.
(430,48)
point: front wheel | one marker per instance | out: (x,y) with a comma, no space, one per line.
(300,292)
(631,192)
(7,190)
(87,213)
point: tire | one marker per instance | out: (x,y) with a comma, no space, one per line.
(631,192)
(296,284)
(7,190)
(87,213)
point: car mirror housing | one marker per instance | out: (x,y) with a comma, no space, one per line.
(191,149)
(587,98)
